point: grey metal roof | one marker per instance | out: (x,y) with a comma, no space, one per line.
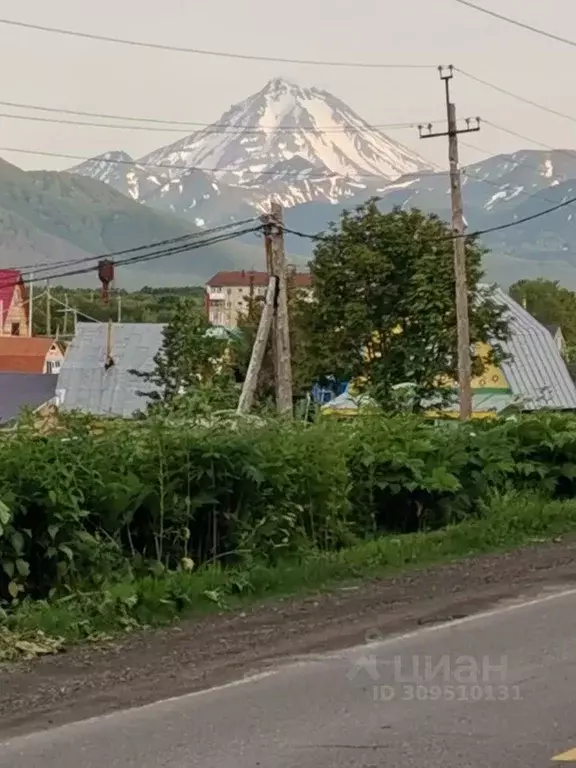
(536,372)
(24,390)
(84,384)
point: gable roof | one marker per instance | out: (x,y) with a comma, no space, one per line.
(9,279)
(536,371)
(24,390)
(552,328)
(83,382)
(244,279)
(24,354)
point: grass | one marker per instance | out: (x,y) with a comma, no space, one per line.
(511,521)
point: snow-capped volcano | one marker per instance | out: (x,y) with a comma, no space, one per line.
(285,124)
(296,144)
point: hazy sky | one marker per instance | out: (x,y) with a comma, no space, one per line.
(51,70)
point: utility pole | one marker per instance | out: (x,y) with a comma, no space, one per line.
(30,303)
(259,348)
(65,311)
(119,319)
(282,354)
(48,310)
(459,227)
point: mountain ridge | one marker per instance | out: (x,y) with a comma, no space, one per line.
(305,148)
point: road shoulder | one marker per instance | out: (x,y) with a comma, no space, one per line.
(150,666)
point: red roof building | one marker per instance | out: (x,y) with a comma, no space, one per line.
(227,292)
(13,304)
(32,354)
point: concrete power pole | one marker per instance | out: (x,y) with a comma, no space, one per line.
(459,227)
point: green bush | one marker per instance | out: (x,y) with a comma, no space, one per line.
(86,504)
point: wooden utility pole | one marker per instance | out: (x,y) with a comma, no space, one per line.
(30,304)
(66,310)
(275,316)
(282,352)
(459,228)
(48,310)
(259,348)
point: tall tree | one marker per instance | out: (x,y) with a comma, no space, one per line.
(193,366)
(550,303)
(384,306)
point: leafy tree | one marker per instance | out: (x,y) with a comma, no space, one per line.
(384,307)
(192,370)
(550,303)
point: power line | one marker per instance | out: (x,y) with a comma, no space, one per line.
(517,23)
(528,138)
(213,128)
(204,52)
(516,96)
(142,258)
(191,124)
(476,233)
(501,187)
(309,175)
(137,249)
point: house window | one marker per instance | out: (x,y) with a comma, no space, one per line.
(52,366)
(15,329)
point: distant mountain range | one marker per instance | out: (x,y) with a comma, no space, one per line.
(305,148)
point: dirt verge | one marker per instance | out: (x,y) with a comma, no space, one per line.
(149,666)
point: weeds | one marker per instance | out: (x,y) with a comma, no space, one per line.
(135,523)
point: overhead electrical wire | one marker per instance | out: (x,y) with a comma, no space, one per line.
(495,183)
(214,128)
(142,258)
(526,138)
(469,235)
(42,267)
(176,167)
(205,52)
(183,124)
(516,96)
(517,23)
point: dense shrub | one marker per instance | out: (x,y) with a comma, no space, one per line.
(84,504)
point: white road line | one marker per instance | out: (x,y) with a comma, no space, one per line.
(256,678)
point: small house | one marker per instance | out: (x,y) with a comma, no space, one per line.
(13,304)
(30,354)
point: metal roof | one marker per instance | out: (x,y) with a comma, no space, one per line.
(24,390)
(536,372)
(84,384)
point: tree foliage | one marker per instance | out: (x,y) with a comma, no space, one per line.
(193,366)
(550,303)
(384,307)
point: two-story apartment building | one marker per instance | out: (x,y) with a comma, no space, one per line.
(227,293)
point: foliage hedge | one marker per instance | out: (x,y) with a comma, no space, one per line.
(84,505)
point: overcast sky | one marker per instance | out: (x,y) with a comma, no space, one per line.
(51,70)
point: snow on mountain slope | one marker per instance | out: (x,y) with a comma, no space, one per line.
(284,123)
(120,171)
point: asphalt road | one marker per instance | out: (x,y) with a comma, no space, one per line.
(496,689)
